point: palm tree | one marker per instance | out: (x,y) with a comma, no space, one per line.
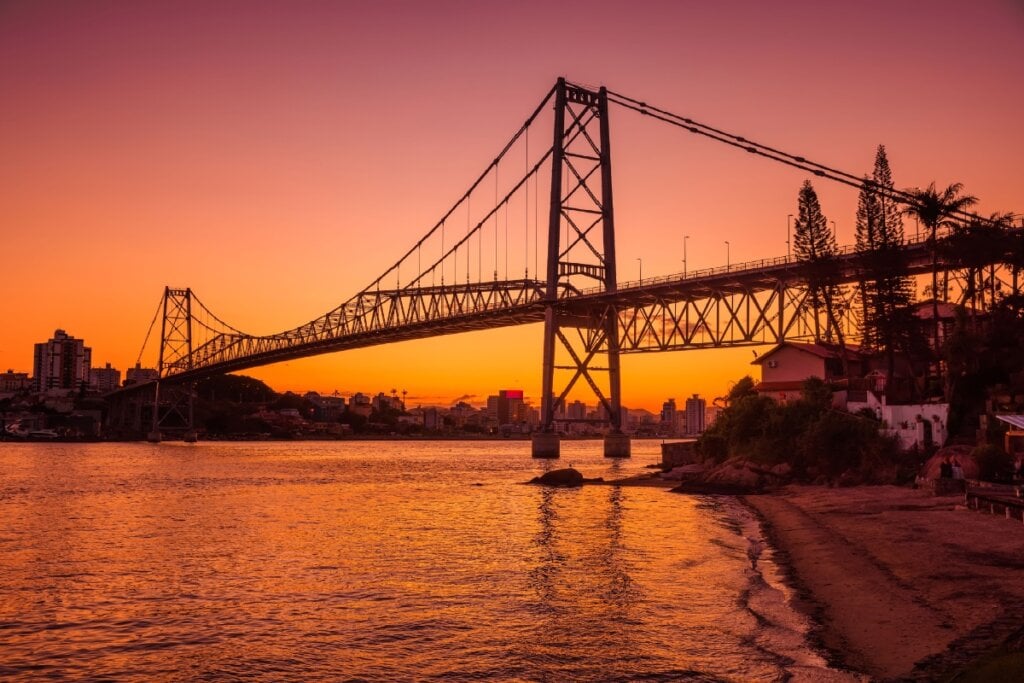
(935,209)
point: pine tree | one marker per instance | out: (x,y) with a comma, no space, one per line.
(885,292)
(815,244)
(891,215)
(866,236)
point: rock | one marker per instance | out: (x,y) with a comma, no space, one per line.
(684,472)
(735,473)
(568,477)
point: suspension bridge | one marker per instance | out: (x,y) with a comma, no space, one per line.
(514,250)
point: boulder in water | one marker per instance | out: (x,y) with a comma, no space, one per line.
(568,477)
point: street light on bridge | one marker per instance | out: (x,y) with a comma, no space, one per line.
(641,262)
(789,219)
(727,254)
(685,237)
(835,231)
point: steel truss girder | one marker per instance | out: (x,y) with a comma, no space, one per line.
(421,311)
(734,317)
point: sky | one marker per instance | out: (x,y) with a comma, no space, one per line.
(277,156)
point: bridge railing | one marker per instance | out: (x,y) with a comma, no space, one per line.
(744,267)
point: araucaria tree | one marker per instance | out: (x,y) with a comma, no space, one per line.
(815,244)
(885,292)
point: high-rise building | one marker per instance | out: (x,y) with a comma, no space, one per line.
(695,412)
(507,407)
(62,363)
(105,379)
(668,416)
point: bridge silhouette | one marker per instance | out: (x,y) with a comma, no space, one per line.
(459,279)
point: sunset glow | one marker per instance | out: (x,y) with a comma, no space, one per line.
(277,157)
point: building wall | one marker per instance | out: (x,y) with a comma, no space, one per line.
(792,364)
(912,424)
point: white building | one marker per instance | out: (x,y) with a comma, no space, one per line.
(920,424)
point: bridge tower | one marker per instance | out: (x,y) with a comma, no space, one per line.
(581,254)
(173,403)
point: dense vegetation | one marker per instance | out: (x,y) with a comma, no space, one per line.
(814,439)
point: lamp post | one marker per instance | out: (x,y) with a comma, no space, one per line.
(789,220)
(835,231)
(641,262)
(727,254)
(685,237)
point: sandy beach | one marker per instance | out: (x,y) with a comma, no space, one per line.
(906,585)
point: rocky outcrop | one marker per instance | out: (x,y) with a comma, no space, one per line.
(735,476)
(567,478)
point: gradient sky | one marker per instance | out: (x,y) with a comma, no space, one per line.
(277,156)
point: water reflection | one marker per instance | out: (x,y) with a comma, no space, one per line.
(367,561)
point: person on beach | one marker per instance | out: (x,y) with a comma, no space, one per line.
(945,469)
(1018,468)
(957,468)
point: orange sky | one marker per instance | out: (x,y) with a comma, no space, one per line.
(276,157)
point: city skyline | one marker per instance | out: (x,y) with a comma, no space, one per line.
(276,161)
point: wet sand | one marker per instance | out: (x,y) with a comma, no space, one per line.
(906,585)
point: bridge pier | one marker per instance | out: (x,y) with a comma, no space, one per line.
(545,445)
(616,445)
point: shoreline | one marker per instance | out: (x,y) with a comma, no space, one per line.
(899,584)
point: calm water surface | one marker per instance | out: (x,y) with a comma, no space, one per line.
(377,561)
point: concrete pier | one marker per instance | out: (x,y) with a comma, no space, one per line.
(153,437)
(545,445)
(616,445)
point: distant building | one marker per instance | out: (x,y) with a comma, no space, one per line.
(507,407)
(12,381)
(140,375)
(461,414)
(669,417)
(432,419)
(577,410)
(696,414)
(105,379)
(326,408)
(669,414)
(63,362)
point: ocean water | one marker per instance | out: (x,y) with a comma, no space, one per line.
(378,561)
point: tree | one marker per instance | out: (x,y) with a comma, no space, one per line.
(815,244)
(885,291)
(935,209)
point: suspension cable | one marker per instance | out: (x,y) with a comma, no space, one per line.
(753,147)
(138,361)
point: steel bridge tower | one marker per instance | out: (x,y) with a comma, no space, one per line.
(173,407)
(581,251)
